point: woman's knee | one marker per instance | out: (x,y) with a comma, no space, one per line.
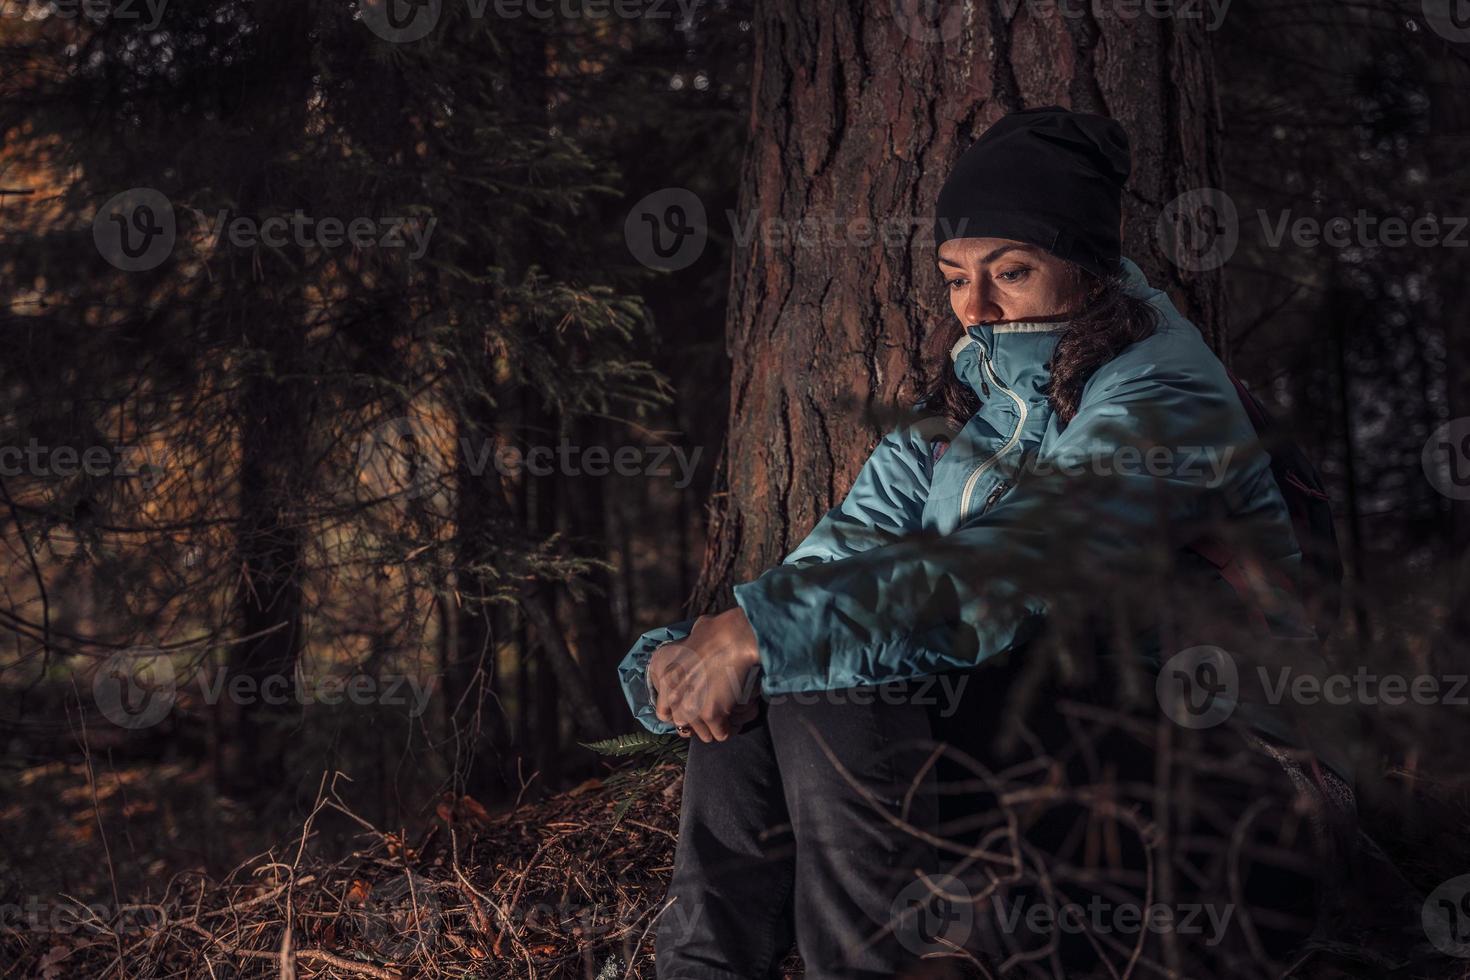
(854,752)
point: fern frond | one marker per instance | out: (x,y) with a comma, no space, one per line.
(631,744)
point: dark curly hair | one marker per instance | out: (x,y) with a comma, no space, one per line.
(1109,319)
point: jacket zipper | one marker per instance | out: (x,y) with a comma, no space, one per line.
(1010,444)
(1000,489)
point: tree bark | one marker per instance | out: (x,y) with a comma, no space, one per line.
(857,114)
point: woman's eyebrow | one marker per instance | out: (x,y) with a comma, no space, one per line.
(992,255)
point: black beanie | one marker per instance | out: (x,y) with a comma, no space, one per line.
(1049,177)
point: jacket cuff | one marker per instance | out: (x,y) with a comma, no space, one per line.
(633,674)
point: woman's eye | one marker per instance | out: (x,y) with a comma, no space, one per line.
(954,283)
(1014,275)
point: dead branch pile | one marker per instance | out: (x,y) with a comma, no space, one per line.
(564,888)
(572,886)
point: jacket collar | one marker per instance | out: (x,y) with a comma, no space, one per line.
(1020,353)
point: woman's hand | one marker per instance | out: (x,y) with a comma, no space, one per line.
(703,682)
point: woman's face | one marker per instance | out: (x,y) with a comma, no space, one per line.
(994,280)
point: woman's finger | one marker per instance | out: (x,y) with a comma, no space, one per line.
(663,706)
(701,729)
(718,725)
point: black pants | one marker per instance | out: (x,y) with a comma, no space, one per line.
(817,819)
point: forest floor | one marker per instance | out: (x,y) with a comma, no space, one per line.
(566,886)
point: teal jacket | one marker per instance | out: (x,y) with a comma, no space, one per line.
(928,565)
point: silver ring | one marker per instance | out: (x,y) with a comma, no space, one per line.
(683,729)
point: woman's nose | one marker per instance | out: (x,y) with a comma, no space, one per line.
(981,303)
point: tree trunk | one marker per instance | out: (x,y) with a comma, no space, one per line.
(858,115)
(274,415)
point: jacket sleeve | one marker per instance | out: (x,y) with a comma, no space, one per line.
(885,503)
(1160,442)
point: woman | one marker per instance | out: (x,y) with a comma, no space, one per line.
(811,803)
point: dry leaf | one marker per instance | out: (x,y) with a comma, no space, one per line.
(49,968)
